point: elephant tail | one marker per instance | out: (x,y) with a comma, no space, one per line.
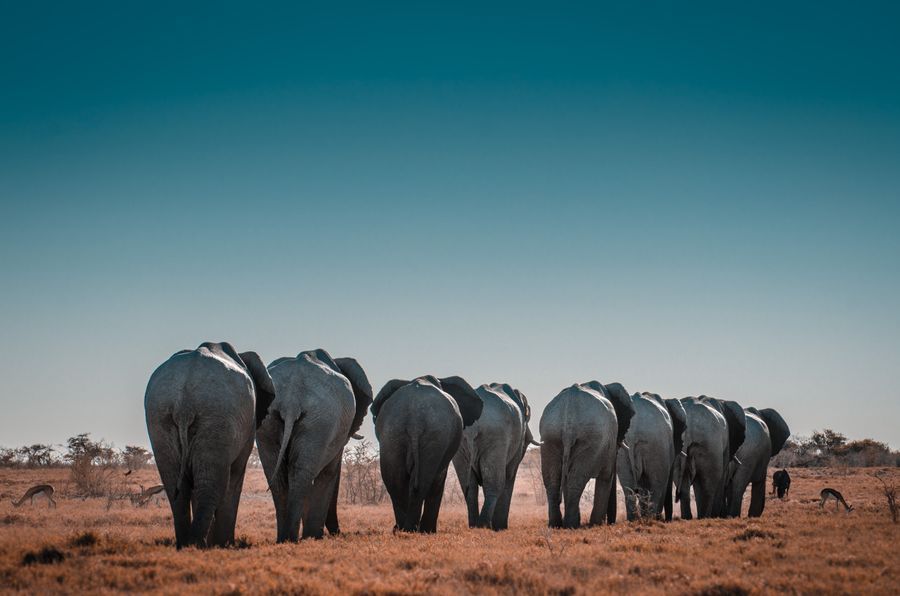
(285,440)
(412,466)
(184,444)
(564,468)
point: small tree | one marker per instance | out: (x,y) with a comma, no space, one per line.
(135,457)
(826,441)
(37,455)
(92,465)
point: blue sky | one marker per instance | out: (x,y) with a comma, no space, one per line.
(688,200)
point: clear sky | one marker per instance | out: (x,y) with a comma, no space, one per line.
(680,198)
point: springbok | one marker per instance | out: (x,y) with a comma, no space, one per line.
(142,498)
(830,493)
(45,489)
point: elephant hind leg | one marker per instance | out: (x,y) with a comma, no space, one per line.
(320,500)
(575,484)
(551,473)
(222,533)
(206,499)
(605,503)
(494,485)
(331,520)
(300,482)
(501,511)
(757,498)
(433,500)
(668,506)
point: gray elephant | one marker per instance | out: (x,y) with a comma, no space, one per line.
(320,402)
(490,453)
(581,430)
(646,459)
(767,432)
(419,426)
(202,408)
(711,442)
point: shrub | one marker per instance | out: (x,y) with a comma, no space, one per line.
(46,556)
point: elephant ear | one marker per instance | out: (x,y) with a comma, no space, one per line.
(388,390)
(679,422)
(735,420)
(470,405)
(623,405)
(524,401)
(362,390)
(265,388)
(778,429)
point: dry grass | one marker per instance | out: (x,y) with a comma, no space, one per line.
(796,547)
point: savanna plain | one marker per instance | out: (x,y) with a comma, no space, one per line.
(104,545)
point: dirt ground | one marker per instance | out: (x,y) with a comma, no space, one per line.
(796,547)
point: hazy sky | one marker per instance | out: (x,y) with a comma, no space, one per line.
(679,198)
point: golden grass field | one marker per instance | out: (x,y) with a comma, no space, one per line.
(795,547)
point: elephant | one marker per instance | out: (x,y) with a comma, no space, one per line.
(419,426)
(490,453)
(646,459)
(581,430)
(202,408)
(320,403)
(704,459)
(767,432)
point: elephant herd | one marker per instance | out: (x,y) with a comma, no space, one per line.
(206,407)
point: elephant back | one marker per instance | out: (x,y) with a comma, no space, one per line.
(386,392)
(514,394)
(616,394)
(735,419)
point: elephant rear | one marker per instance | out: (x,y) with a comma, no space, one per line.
(419,425)
(579,429)
(200,412)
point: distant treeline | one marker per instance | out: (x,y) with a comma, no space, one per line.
(831,448)
(78,451)
(822,448)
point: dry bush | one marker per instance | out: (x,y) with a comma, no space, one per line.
(531,466)
(789,550)
(890,493)
(360,476)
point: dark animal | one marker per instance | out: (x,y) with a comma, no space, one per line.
(781,483)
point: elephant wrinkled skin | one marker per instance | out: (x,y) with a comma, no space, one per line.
(490,453)
(320,402)
(202,407)
(581,429)
(419,426)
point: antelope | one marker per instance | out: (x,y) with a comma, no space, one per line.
(46,489)
(830,493)
(142,498)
